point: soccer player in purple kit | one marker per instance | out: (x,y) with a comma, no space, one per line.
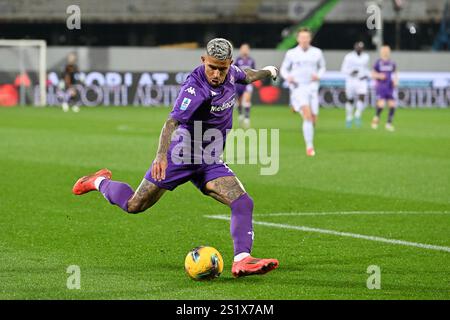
(207,98)
(244,91)
(386,77)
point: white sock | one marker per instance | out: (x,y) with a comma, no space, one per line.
(359,109)
(308,133)
(98,181)
(241,256)
(348,111)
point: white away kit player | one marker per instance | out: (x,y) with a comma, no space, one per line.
(302,68)
(356,69)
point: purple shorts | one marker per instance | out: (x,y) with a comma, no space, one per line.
(385,93)
(198,174)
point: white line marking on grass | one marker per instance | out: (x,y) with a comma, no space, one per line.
(341,234)
(326,213)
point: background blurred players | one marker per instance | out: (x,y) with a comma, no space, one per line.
(302,68)
(69,77)
(385,74)
(356,68)
(244,92)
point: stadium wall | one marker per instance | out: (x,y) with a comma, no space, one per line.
(152,76)
(152,59)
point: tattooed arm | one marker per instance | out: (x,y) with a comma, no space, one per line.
(160,163)
(266,72)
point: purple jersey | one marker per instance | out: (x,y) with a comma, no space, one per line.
(245,63)
(212,107)
(385,88)
(387,67)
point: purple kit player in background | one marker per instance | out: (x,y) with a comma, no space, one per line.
(386,77)
(207,99)
(244,92)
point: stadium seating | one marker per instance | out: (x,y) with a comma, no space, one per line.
(208,10)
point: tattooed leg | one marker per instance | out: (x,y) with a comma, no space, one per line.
(146,195)
(123,196)
(225,189)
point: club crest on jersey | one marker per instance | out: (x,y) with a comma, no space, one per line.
(190,90)
(232,79)
(185,103)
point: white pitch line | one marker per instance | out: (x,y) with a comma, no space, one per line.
(341,234)
(326,213)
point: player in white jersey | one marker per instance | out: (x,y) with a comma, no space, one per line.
(356,68)
(302,68)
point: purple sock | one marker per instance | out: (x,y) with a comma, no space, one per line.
(241,224)
(378,111)
(391,115)
(247,113)
(117,193)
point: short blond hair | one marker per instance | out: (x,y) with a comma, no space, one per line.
(220,49)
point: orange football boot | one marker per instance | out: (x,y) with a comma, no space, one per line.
(86,184)
(250,266)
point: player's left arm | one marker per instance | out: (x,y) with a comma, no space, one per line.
(252,75)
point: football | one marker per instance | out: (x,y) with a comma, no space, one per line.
(203,263)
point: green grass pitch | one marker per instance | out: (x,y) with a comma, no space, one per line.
(401,179)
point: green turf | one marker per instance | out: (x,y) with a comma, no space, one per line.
(44,228)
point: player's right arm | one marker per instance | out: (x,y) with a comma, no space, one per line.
(160,163)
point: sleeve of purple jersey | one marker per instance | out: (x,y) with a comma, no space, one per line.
(376,66)
(239,75)
(187,102)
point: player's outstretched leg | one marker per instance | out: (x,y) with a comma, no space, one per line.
(229,191)
(115,192)
(119,193)
(87,183)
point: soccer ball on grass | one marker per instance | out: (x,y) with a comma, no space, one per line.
(203,263)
